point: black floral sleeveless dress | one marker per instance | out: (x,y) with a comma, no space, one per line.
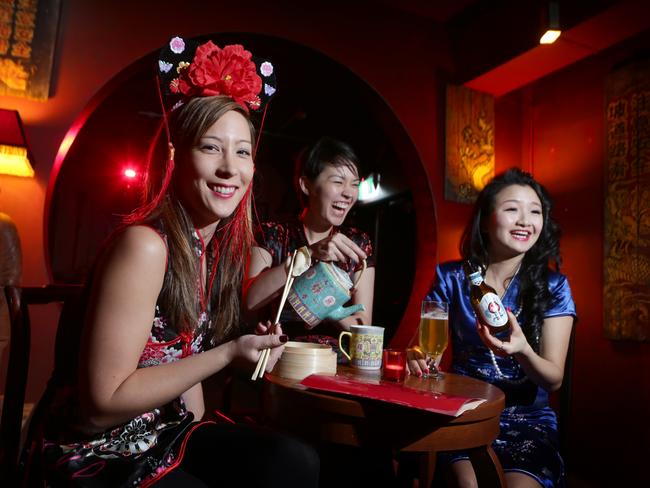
(138,452)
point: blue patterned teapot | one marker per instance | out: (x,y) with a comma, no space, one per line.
(320,293)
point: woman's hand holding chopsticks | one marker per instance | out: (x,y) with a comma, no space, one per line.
(265,338)
(264,355)
(276,352)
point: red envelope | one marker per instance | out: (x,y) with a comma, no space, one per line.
(384,391)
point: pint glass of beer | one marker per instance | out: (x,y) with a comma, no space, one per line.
(433,334)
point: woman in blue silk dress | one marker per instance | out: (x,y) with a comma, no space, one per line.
(514,239)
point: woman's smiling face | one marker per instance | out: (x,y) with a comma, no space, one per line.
(218,172)
(515,223)
(333,193)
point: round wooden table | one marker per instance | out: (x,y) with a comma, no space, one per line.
(321,416)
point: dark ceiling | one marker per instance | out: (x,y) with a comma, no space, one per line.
(441,11)
(496,42)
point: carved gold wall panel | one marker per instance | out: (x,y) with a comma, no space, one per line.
(469,143)
(627,204)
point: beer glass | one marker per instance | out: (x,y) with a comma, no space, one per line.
(433,335)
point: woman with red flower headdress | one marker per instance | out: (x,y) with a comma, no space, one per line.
(160,312)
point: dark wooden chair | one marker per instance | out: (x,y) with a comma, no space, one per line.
(564,400)
(18,301)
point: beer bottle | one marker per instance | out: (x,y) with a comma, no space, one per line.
(485,301)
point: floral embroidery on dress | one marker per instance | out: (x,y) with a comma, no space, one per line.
(133,438)
(165,346)
(137,451)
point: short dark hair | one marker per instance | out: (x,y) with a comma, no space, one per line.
(326,151)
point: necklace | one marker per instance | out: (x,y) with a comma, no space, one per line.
(493,358)
(503,377)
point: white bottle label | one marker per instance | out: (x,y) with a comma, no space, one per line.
(476,278)
(493,311)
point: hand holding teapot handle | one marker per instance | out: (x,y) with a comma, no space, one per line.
(358,277)
(302,262)
(337,247)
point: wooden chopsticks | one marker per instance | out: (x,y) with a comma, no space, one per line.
(265,353)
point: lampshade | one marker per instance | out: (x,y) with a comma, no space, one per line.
(551,29)
(15,157)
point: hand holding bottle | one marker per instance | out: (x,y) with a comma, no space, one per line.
(516,341)
(485,301)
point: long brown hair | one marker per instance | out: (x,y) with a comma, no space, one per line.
(234,237)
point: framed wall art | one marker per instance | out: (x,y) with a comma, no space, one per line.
(626,300)
(27,39)
(469,137)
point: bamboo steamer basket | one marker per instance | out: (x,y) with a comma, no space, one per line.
(300,359)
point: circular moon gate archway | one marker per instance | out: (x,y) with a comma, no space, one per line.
(97,181)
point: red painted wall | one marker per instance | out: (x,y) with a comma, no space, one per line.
(400,57)
(554,128)
(609,428)
(395,53)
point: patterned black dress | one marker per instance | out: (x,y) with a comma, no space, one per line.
(280,239)
(137,452)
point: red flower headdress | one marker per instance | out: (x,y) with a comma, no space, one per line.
(187,70)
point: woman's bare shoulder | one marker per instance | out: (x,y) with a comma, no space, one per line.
(139,246)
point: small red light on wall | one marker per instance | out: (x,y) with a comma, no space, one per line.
(130,173)
(15,157)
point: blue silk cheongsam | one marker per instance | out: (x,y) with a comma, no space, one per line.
(528,440)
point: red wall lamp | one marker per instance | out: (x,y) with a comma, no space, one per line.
(15,156)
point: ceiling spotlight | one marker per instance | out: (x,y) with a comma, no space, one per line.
(552,25)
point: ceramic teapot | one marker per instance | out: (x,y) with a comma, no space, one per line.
(320,293)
